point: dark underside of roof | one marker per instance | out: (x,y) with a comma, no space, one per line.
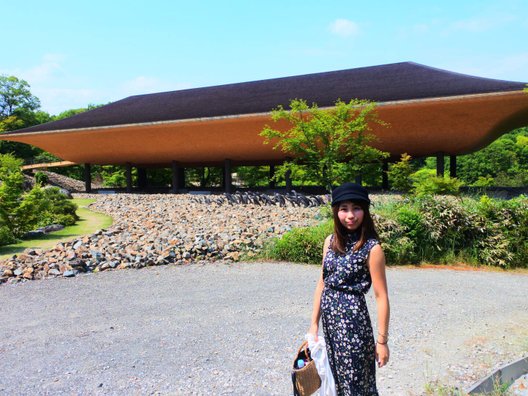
(392,82)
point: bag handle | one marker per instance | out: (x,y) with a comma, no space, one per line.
(304,347)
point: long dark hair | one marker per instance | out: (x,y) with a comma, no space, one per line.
(366,231)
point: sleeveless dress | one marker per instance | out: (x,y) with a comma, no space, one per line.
(346,322)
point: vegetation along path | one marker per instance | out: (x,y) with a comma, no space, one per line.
(88,223)
(233,329)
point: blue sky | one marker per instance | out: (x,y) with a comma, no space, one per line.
(75,53)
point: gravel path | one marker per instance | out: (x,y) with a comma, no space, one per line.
(233,328)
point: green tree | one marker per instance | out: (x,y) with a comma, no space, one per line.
(505,161)
(21,211)
(72,112)
(433,185)
(18,109)
(41,178)
(11,189)
(400,174)
(253,176)
(206,176)
(16,102)
(332,143)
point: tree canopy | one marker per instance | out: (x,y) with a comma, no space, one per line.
(333,143)
(18,105)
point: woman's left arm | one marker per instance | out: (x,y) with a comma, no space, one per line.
(376,264)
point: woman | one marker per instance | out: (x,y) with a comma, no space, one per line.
(353,260)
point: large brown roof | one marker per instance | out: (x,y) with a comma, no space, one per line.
(429,111)
(385,83)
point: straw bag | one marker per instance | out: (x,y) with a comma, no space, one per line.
(305,380)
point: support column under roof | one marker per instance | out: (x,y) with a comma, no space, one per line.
(452,166)
(128,174)
(142,178)
(228,179)
(440,164)
(385,174)
(271,183)
(178,177)
(88,177)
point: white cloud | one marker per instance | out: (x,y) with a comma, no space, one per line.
(48,69)
(56,100)
(480,24)
(59,91)
(141,84)
(512,68)
(344,28)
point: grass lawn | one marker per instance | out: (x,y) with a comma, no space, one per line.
(88,223)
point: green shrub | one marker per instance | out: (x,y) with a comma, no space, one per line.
(114,179)
(483,181)
(22,212)
(325,212)
(433,229)
(511,179)
(42,207)
(412,222)
(41,178)
(422,175)
(400,174)
(437,185)
(33,207)
(398,247)
(302,245)
(11,190)
(505,229)
(446,220)
(6,236)
(62,208)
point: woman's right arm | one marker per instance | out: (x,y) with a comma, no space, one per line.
(316,312)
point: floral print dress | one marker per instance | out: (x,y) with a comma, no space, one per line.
(346,322)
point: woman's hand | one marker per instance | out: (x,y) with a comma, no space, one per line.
(382,354)
(314,329)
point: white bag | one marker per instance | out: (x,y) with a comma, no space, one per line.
(318,354)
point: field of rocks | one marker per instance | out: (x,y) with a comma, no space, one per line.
(150,230)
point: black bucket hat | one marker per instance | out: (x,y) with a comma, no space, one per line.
(350,192)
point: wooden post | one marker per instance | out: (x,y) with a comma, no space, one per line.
(440,165)
(271,183)
(453,166)
(142,178)
(175,177)
(385,175)
(228,180)
(287,177)
(181,178)
(128,173)
(288,180)
(88,178)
